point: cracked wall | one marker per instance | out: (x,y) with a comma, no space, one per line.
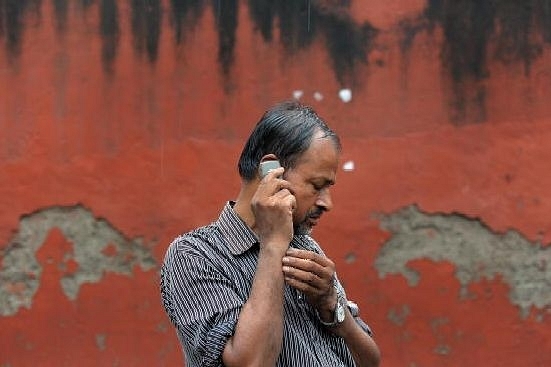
(97,248)
(475,251)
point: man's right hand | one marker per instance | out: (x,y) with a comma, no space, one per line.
(273,205)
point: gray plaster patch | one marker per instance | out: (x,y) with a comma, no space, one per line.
(97,248)
(476,251)
(442,349)
(399,316)
(100,341)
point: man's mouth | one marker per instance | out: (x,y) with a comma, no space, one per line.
(314,219)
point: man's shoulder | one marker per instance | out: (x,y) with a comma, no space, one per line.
(198,239)
(200,249)
(204,242)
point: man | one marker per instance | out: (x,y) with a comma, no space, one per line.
(253,288)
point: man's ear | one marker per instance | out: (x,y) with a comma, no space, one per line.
(268,157)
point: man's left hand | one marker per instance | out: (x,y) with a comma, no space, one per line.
(312,274)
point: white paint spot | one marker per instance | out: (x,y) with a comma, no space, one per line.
(348,166)
(318,96)
(297,94)
(345,95)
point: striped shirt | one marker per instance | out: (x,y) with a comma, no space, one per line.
(206,278)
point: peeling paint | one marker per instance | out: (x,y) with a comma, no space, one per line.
(398,316)
(442,349)
(476,251)
(100,341)
(20,271)
(163,327)
(350,258)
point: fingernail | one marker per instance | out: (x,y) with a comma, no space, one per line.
(285,269)
(285,259)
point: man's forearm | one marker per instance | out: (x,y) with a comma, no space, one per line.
(259,332)
(363,348)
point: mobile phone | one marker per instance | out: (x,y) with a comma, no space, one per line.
(267,166)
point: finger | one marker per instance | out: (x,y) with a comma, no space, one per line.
(311,255)
(303,280)
(292,202)
(282,193)
(273,173)
(275,185)
(309,266)
(305,288)
(325,270)
(285,198)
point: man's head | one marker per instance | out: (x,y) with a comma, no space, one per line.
(308,150)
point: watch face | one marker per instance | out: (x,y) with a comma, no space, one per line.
(340,313)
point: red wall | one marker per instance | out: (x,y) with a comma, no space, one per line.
(117,133)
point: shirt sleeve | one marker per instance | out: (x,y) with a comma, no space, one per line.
(201,302)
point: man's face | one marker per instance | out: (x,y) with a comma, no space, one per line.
(311,179)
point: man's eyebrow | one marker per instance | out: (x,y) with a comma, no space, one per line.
(326,181)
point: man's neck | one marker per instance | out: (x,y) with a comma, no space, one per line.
(242,205)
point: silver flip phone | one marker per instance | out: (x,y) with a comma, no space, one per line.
(267,166)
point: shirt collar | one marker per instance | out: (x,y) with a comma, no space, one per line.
(239,236)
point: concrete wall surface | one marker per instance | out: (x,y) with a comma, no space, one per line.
(121,122)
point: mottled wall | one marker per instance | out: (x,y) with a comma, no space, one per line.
(120,127)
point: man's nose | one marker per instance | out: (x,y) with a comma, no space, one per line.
(324,200)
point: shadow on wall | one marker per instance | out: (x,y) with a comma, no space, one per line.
(473,31)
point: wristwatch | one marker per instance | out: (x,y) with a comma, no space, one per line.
(339,313)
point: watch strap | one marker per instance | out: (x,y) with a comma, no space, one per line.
(341,303)
(355,312)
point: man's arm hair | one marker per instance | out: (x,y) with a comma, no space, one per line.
(258,336)
(360,343)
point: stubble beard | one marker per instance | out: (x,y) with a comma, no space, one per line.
(304,228)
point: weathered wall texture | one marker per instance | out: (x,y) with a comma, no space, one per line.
(120,127)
